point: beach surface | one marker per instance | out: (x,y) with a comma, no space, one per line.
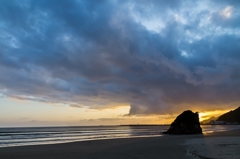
(217,145)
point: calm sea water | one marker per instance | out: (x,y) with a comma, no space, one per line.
(49,135)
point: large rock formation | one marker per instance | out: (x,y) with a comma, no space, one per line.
(185,123)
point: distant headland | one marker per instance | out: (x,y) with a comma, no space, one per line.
(230,118)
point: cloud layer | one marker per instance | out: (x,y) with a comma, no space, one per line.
(156,56)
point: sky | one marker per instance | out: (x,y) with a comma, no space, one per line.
(94,62)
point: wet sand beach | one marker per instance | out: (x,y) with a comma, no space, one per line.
(216,145)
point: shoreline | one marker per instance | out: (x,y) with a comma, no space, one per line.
(157,134)
(166,146)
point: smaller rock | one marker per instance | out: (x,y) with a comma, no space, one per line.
(185,123)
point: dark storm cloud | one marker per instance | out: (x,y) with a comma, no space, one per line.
(156,56)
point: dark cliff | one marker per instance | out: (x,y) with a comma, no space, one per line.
(232,116)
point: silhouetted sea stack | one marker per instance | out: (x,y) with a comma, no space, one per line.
(185,123)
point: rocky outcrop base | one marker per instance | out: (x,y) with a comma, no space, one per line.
(185,123)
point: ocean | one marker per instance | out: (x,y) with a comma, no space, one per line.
(50,135)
